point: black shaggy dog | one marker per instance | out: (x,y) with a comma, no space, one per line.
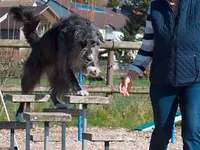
(70,46)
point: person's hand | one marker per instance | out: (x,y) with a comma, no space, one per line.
(126,84)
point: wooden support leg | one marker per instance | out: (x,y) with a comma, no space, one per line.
(106,145)
(12,141)
(63,135)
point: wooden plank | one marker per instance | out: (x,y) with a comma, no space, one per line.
(47,117)
(91,89)
(14,43)
(86,99)
(12,125)
(115,89)
(2,147)
(73,112)
(115,45)
(107,136)
(34,98)
(17,88)
(40,137)
(107,45)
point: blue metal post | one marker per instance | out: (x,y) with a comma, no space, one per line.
(46,135)
(80,117)
(63,136)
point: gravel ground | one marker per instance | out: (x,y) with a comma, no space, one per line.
(140,140)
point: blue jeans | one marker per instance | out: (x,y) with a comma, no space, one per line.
(165,100)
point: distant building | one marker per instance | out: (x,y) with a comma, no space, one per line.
(106,19)
(9,29)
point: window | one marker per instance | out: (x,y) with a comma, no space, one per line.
(43,27)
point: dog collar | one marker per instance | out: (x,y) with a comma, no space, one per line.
(62,34)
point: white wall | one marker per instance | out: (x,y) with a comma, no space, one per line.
(115,35)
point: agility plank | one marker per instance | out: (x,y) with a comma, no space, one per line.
(47,116)
(12,125)
(72,112)
(150,125)
(40,138)
(7,148)
(86,99)
(107,136)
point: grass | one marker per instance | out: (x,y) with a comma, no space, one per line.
(126,112)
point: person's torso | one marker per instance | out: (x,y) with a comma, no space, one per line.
(176,58)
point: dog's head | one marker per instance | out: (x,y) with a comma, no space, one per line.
(83,42)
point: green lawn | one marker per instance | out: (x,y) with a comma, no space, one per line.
(127,112)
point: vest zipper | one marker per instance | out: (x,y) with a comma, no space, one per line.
(175,22)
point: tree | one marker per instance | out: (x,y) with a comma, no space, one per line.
(9,65)
(113,3)
(136,18)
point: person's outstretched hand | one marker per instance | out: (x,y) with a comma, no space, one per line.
(126,83)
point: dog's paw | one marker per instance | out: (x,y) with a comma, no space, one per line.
(61,106)
(93,71)
(82,93)
(19,117)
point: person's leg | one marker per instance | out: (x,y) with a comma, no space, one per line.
(164,102)
(190,110)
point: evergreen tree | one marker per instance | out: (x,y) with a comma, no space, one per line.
(113,3)
(136,19)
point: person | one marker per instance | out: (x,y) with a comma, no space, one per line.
(172,44)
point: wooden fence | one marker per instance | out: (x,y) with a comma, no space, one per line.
(110,45)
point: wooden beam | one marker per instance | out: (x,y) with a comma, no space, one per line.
(54,137)
(12,125)
(72,112)
(121,45)
(36,98)
(91,89)
(3,147)
(86,99)
(14,43)
(107,45)
(47,116)
(111,136)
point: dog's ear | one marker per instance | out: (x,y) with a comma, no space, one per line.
(96,30)
(100,37)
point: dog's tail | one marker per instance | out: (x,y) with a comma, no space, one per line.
(26,16)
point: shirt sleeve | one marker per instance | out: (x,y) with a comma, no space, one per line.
(144,55)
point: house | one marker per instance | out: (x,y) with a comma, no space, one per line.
(108,21)
(9,29)
(59,6)
(12,30)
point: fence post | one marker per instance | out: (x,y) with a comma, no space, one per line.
(110,63)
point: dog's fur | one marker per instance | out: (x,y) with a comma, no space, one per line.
(70,46)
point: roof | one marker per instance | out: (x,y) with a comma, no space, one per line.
(101,19)
(10,23)
(102,15)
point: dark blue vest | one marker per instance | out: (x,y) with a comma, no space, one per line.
(176,57)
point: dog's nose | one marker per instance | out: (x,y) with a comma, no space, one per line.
(90,58)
